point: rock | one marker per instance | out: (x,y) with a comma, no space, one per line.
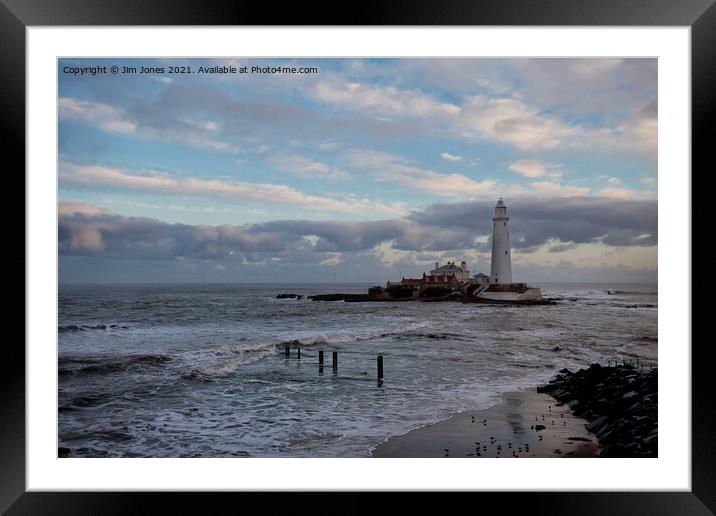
(63,452)
(288,296)
(619,402)
(597,424)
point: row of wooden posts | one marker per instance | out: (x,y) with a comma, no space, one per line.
(632,364)
(379,359)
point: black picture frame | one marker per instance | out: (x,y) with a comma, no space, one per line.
(17,15)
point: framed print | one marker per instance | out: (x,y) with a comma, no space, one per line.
(269,256)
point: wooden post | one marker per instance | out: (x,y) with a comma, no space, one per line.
(288,350)
(380,367)
(335,360)
(320,357)
(299,354)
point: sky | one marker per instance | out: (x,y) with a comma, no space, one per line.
(356,170)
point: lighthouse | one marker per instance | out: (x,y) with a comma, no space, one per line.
(500,288)
(501,266)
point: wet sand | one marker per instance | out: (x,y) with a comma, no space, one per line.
(523,424)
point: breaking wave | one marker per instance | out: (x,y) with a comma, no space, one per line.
(98,366)
(223,368)
(84,327)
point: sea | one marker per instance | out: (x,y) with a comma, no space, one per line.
(201,371)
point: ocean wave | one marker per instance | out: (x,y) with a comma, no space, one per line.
(631,292)
(97,366)
(226,367)
(110,434)
(86,401)
(346,337)
(84,327)
(428,335)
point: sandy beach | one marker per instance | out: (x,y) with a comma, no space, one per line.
(523,424)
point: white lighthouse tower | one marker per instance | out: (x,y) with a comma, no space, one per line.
(501,289)
(501,266)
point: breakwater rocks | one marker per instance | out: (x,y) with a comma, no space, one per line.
(344,297)
(451,297)
(289,296)
(619,403)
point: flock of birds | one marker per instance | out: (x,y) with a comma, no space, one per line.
(481,448)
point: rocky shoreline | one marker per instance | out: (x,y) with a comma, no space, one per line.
(620,404)
(453,297)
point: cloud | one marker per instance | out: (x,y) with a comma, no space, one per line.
(537,221)
(511,117)
(560,248)
(532,168)
(450,157)
(559,223)
(649,181)
(97,176)
(201,134)
(532,104)
(625,193)
(546,189)
(389,167)
(385,100)
(307,167)
(509,120)
(100,115)
(70,208)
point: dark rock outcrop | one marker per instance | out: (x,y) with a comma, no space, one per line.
(342,297)
(620,404)
(289,296)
